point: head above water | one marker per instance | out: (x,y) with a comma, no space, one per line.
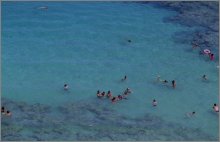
(215,104)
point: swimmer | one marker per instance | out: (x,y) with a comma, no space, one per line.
(164,81)
(98,94)
(216,108)
(109,94)
(129,40)
(154,103)
(204,77)
(8,113)
(127,91)
(191,114)
(3,110)
(123,79)
(66,87)
(103,93)
(211,56)
(174,83)
(120,97)
(114,99)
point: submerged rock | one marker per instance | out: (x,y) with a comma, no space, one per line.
(89,120)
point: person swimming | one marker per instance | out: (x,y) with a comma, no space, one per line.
(8,113)
(98,94)
(216,108)
(191,114)
(114,99)
(129,40)
(154,103)
(66,87)
(204,77)
(109,94)
(103,93)
(164,81)
(161,80)
(174,84)
(120,97)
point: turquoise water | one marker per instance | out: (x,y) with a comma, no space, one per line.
(85,45)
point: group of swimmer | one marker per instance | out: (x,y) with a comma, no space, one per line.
(215,106)
(173,82)
(154,102)
(211,55)
(215,109)
(5,112)
(204,77)
(114,98)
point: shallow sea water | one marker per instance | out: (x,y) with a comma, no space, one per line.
(85,45)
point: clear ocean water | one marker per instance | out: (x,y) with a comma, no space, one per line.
(85,45)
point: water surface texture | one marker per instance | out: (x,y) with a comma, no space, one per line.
(85,44)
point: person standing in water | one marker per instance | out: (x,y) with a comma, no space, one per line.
(154,103)
(125,78)
(174,84)
(191,114)
(211,56)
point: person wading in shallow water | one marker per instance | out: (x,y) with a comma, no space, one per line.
(211,56)
(125,78)
(174,84)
